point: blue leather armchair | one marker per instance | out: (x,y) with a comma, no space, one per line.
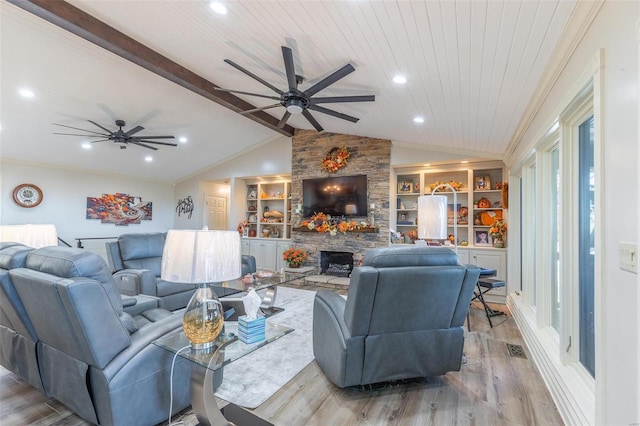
(92,356)
(135,261)
(402,318)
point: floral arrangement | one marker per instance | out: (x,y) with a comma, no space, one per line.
(498,228)
(336,159)
(294,256)
(456,185)
(323,223)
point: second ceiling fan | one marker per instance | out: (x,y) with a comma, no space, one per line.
(297,101)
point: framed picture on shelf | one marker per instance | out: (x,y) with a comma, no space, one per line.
(482,183)
(405,186)
(482,238)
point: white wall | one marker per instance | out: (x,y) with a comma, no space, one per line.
(65,201)
(270,159)
(615,31)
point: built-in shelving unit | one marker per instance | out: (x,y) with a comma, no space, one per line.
(268,209)
(479,199)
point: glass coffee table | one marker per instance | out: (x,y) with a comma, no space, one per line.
(262,280)
(207,367)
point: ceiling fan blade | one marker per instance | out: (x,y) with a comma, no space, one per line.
(289,68)
(284,119)
(141,144)
(312,120)
(84,136)
(148,141)
(247,93)
(134,130)
(249,111)
(82,130)
(333,113)
(155,137)
(328,81)
(98,125)
(101,140)
(334,99)
(252,75)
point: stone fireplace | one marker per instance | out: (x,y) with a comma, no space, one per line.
(371,157)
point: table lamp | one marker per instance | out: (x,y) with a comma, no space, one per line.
(432,216)
(35,236)
(202,257)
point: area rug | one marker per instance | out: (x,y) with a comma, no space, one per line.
(252,379)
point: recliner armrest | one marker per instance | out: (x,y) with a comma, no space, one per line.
(140,340)
(142,303)
(136,281)
(330,305)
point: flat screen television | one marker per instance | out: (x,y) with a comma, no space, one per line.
(336,196)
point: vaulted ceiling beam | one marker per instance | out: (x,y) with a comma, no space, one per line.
(74,20)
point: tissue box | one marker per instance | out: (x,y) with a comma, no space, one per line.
(251,331)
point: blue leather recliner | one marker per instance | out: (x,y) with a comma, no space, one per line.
(135,260)
(92,356)
(402,318)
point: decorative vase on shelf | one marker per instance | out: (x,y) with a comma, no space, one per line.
(498,242)
(294,265)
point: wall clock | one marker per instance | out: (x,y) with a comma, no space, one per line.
(27,195)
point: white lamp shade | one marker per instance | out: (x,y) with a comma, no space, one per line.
(35,236)
(196,257)
(432,217)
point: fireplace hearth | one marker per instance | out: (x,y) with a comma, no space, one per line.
(336,263)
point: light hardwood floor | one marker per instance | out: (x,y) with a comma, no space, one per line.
(492,388)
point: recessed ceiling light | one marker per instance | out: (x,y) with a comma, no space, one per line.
(86,145)
(26,93)
(418,119)
(148,158)
(399,79)
(428,165)
(464,161)
(218,7)
(182,139)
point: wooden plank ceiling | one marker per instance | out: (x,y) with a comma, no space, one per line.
(471,66)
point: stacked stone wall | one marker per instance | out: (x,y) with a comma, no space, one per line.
(371,157)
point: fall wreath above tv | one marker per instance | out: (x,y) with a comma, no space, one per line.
(336,159)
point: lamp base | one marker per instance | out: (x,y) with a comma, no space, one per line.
(203,319)
(203,347)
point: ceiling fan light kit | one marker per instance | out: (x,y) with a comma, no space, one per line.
(120,137)
(296,101)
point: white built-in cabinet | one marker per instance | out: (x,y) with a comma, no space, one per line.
(267,252)
(268,209)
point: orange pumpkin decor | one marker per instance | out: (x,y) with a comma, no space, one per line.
(484,203)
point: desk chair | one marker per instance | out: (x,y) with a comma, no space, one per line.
(487,283)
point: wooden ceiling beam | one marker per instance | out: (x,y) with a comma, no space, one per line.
(74,20)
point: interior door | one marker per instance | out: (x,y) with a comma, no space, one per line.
(216,212)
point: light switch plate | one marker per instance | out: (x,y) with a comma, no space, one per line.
(628,256)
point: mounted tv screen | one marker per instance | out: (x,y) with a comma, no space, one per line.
(336,196)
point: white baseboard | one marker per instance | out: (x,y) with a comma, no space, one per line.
(571,388)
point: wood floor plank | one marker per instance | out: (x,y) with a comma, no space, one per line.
(492,388)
